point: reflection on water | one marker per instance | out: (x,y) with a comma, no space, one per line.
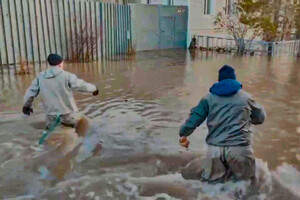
(142,103)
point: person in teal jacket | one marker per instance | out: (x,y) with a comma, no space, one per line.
(230,112)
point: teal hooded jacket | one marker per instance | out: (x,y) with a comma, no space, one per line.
(229,112)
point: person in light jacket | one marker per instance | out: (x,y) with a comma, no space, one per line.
(56,87)
(230,112)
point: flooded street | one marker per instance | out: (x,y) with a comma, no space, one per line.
(142,103)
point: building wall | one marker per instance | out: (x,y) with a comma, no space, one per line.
(200,23)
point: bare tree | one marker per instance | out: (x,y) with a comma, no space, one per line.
(234,26)
(286,20)
(84,43)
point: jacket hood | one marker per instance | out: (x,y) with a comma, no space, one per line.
(52,72)
(226,87)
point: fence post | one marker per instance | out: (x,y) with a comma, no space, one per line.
(273,48)
(202,44)
(207,42)
(270,48)
(12,38)
(4,34)
(298,51)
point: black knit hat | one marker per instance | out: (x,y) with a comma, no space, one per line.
(227,72)
(54,59)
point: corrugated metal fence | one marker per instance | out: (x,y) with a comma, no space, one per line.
(78,30)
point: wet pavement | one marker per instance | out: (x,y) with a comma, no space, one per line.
(142,103)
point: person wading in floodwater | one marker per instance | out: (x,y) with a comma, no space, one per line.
(229,111)
(56,87)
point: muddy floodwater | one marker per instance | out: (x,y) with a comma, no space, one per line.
(137,115)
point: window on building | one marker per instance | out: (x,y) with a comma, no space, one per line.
(228,7)
(180,2)
(209,7)
(159,2)
(206,7)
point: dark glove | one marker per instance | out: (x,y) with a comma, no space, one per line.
(27,110)
(95,93)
